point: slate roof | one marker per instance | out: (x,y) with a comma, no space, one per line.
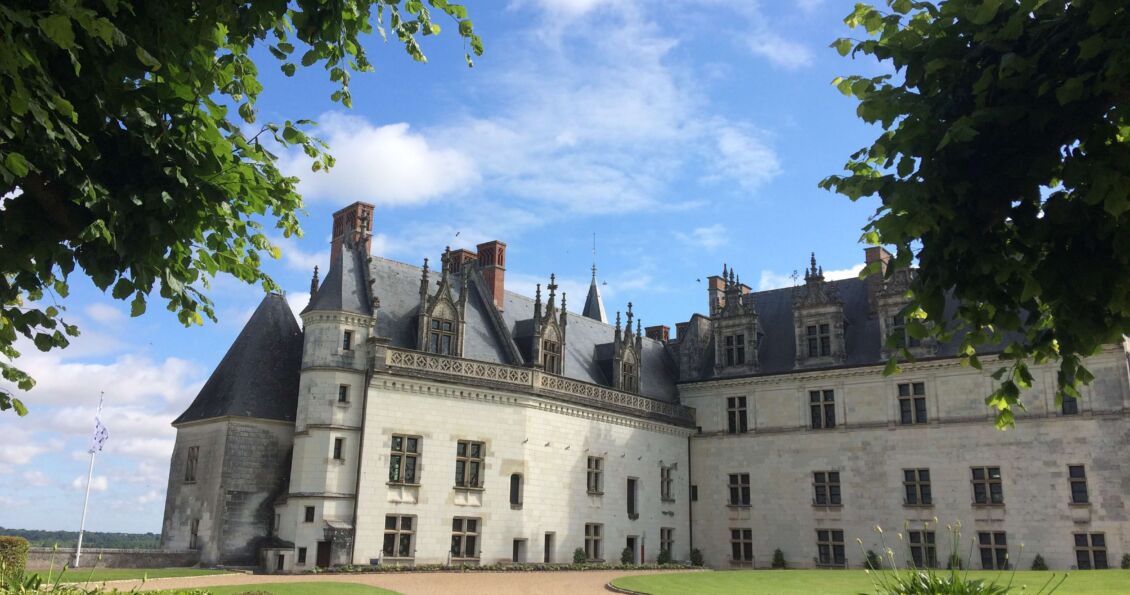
(343,289)
(594,306)
(258,376)
(397,285)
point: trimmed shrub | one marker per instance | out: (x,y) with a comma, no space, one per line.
(1038,563)
(696,558)
(13,557)
(664,557)
(873,561)
(1126,561)
(627,556)
(579,556)
(779,559)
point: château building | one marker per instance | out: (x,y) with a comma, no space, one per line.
(424,415)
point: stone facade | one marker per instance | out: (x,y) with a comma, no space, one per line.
(433,417)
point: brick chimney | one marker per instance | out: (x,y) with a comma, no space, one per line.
(459,257)
(352,224)
(716,292)
(681,330)
(659,333)
(492,264)
(875,282)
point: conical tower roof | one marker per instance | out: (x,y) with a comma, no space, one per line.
(344,288)
(258,376)
(594,306)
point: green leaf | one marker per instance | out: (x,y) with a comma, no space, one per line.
(288,69)
(16,164)
(985,13)
(147,59)
(58,29)
(843,45)
(18,405)
(137,306)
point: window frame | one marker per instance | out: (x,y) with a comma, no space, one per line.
(194,534)
(595,476)
(347,340)
(819,339)
(594,541)
(339,449)
(992,546)
(830,551)
(442,334)
(398,459)
(1072,409)
(309,513)
(551,356)
(192,460)
(739,490)
(737,415)
(1094,548)
(629,378)
(741,543)
(734,349)
(822,409)
(829,480)
(467,475)
(300,559)
(1079,481)
(923,547)
(666,539)
(917,490)
(912,404)
(632,497)
(466,530)
(666,483)
(343,394)
(987,489)
(398,532)
(516,490)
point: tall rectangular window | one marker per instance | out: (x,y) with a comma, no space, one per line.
(741,545)
(194,534)
(308,514)
(987,488)
(190,464)
(633,508)
(1070,405)
(830,547)
(994,550)
(464,537)
(468,464)
(403,461)
(916,484)
(596,475)
(343,393)
(739,489)
(666,494)
(399,534)
(339,447)
(551,356)
(441,336)
(347,340)
(912,403)
(1077,475)
(822,404)
(593,540)
(516,489)
(666,539)
(736,422)
(629,380)
(302,555)
(735,350)
(819,340)
(1090,551)
(923,548)
(826,488)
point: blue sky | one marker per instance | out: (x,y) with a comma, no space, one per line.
(684,135)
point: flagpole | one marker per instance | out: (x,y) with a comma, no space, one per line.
(86,498)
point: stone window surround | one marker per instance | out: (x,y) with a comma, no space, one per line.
(993,546)
(741,543)
(1077,482)
(403,454)
(923,547)
(830,550)
(192,457)
(988,486)
(1090,547)
(737,415)
(832,492)
(472,476)
(467,530)
(594,541)
(398,532)
(917,492)
(822,409)
(595,476)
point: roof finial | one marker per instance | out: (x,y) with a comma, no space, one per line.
(594,256)
(314,283)
(562,303)
(617,320)
(725,275)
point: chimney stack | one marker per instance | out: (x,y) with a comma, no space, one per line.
(492,265)
(875,282)
(353,225)
(458,258)
(716,292)
(661,333)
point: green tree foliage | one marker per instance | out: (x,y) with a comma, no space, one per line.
(95,539)
(779,559)
(129,146)
(1004,169)
(13,557)
(579,556)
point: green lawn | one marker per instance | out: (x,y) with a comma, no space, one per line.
(295,589)
(98,575)
(788,582)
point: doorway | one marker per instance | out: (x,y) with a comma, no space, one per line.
(519,554)
(548,548)
(323,558)
(631,545)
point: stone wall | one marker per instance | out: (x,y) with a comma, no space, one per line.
(45,557)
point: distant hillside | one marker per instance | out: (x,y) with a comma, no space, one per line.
(68,539)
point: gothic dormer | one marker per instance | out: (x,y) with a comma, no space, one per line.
(626,355)
(891,299)
(441,319)
(548,343)
(734,322)
(818,317)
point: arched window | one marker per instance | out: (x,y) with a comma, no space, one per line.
(551,352)
(516,490)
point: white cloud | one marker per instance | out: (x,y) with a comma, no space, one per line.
(780,52)
(744,158)
(295,258)
(709,237)
(386,165)
(150,496)
(127,379)
(36,479)
(297,300)
(98,484)
(104,313)
(774,280)
(19,446)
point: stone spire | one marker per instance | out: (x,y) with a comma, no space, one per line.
(594,305)
(314,283)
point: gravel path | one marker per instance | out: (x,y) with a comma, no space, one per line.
(416,583)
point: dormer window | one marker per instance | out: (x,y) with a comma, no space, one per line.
(629,376)
(898,331)
(551,356)
(819,340)
(735,350)
(441,336)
